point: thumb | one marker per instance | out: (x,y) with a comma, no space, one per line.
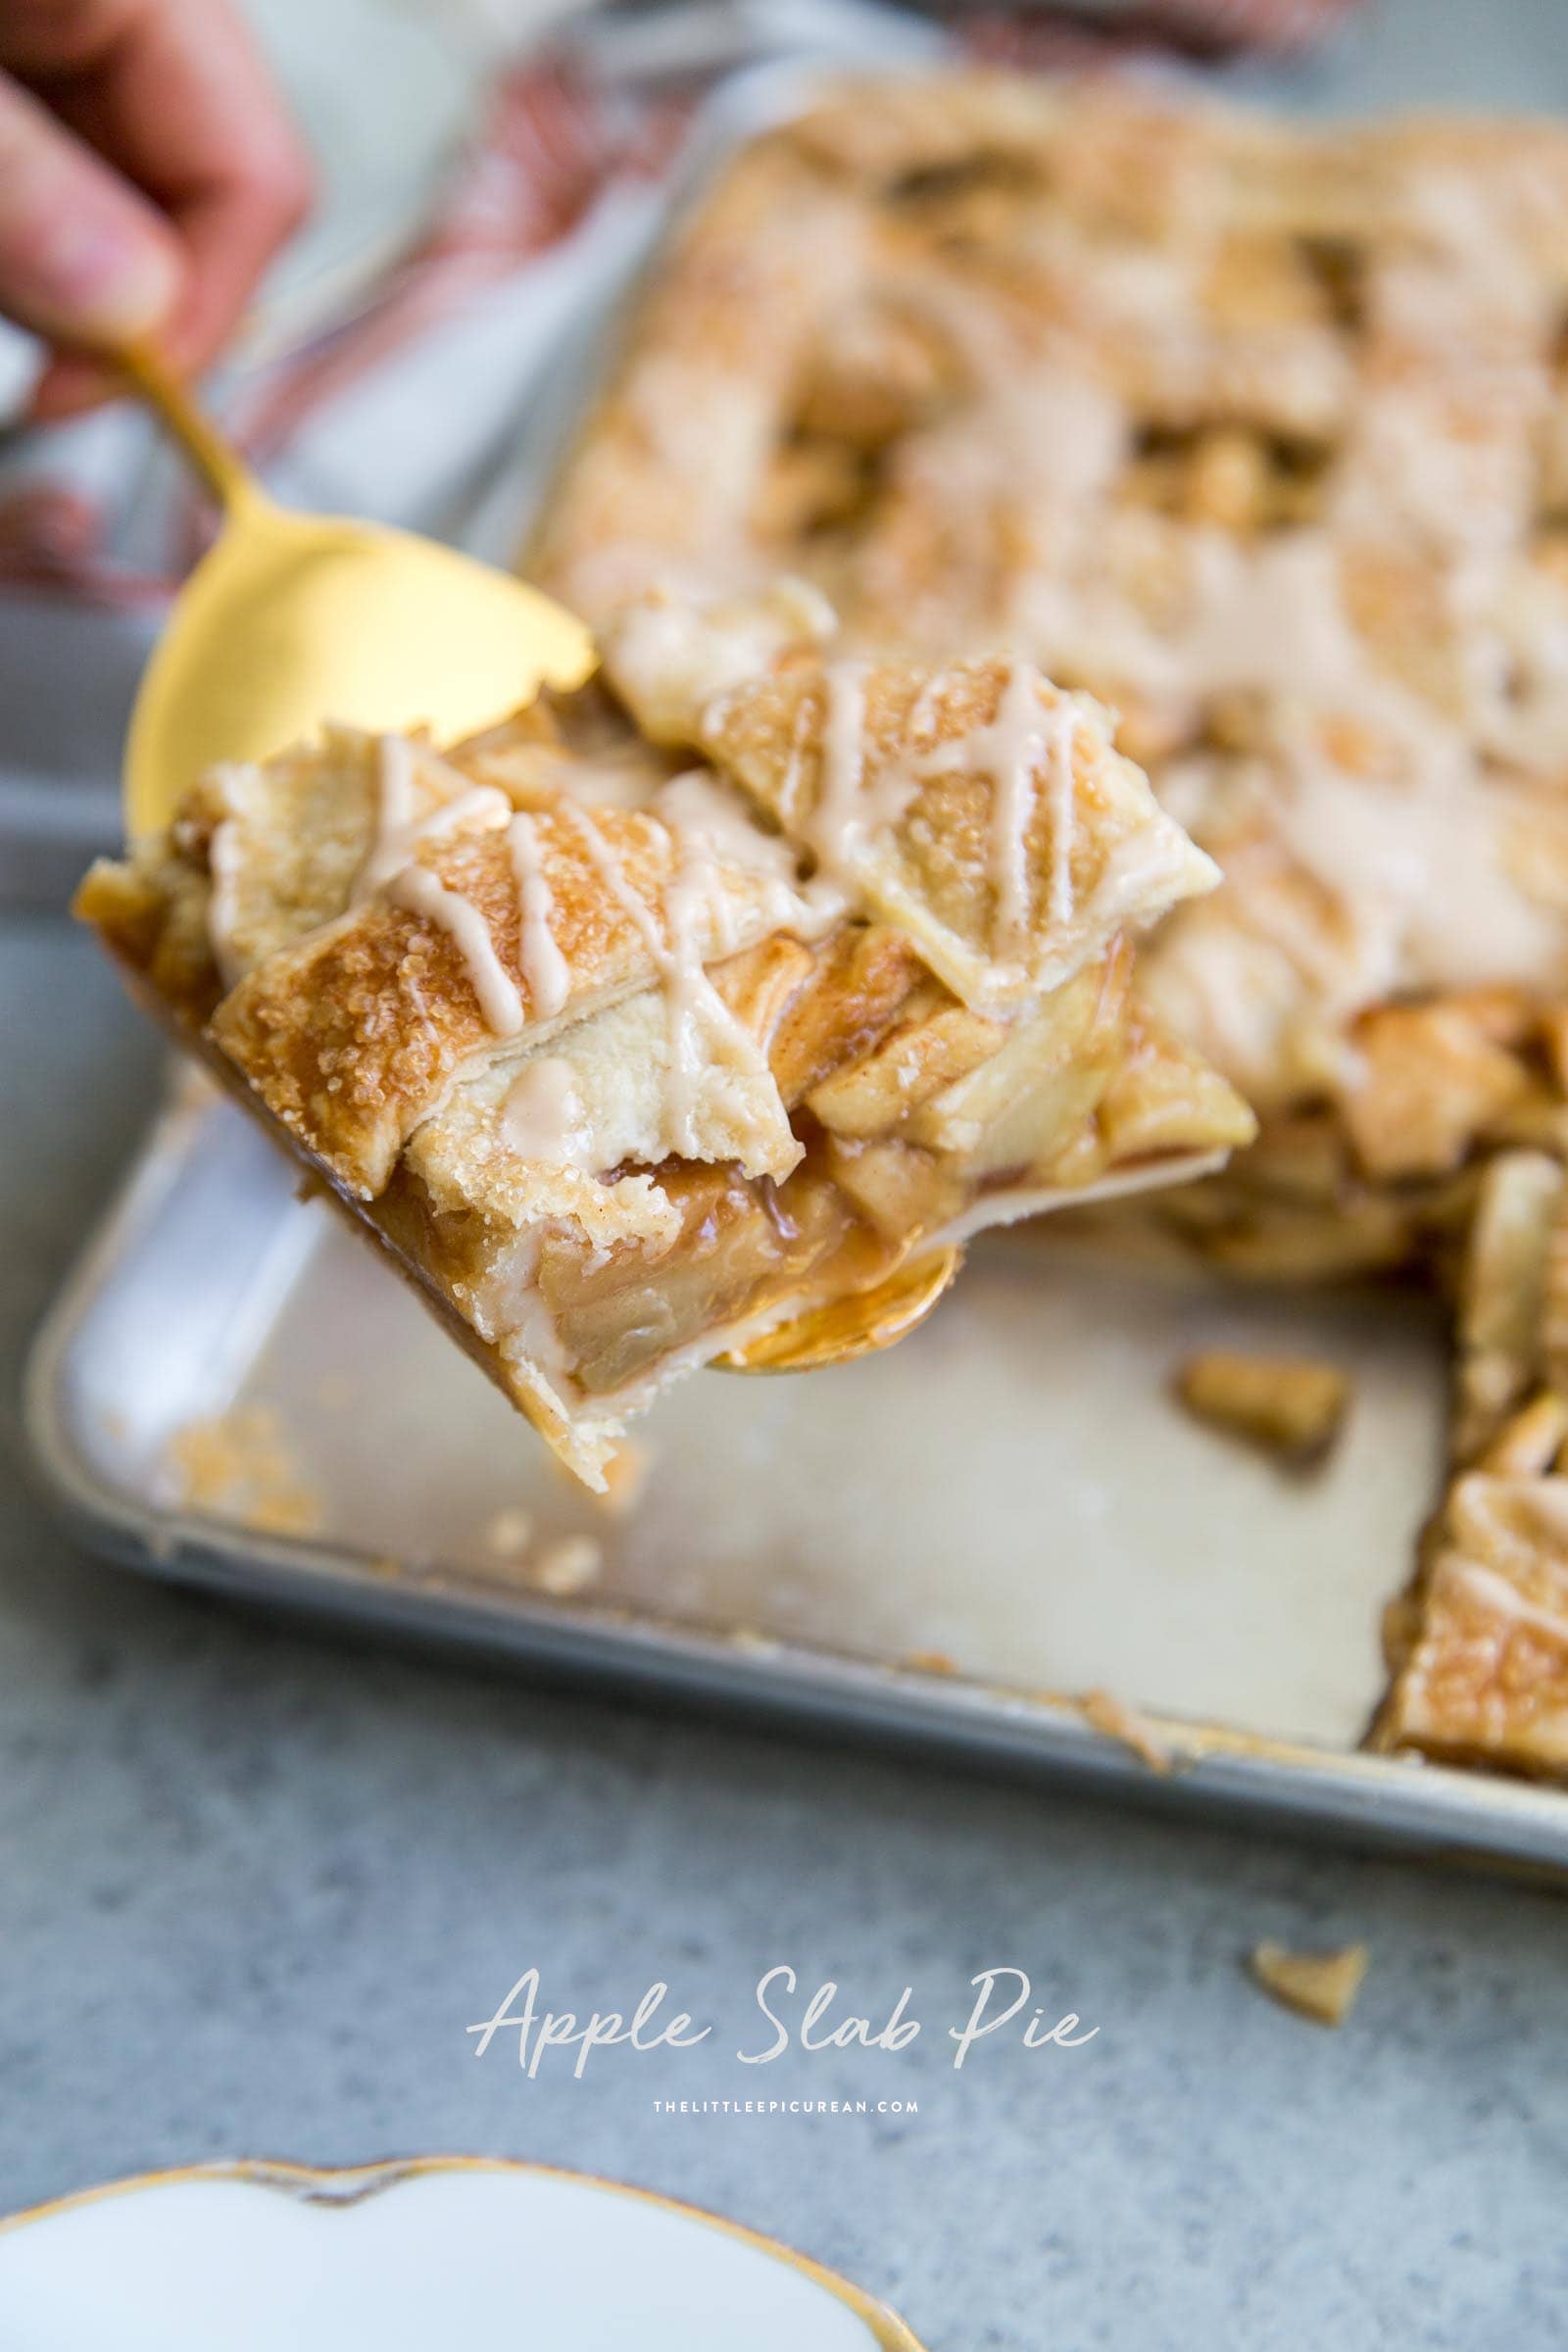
(83,257)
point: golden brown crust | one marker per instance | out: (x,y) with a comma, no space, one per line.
(1483,1659)
(551,1057)
(359,1031)
(729,325)
(1478,1645)
(986,778)
(153,915)
(1259,433)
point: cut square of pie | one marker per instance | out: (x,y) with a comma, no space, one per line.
(1479,1644)
(632,1043)
(1485,1672)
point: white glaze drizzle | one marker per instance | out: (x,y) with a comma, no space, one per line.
(698,807)
(705,1039)
(839,819)
(1063,782)
(418,892)
(611,869)
(400,828)
(1416,854)
(693,1009)
(699,1024)
(849,811)
(542,1117)
(225,865)
(544,966)
(1010,751)
(1026,738)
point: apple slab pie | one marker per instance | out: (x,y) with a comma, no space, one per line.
(1259,435)
(714,990)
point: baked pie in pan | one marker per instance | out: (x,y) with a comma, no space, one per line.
(630,1042)
(732,982)
(1258,434)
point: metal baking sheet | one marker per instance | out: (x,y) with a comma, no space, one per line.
(1009,1497)
(1010,1500)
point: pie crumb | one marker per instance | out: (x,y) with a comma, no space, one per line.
(1292,1407)
(508,1532)
(1120,1722)
(238,1465)
(625,1477)
(928,1661)
(567,1566)
(751,1640)
(1320,1985)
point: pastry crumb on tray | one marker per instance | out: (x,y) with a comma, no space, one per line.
(563,1566)
(567,1567)
(509,1531)
(240,1466)
(1120,1722)
(1292,1408)
(1320,1985)
(626,1476)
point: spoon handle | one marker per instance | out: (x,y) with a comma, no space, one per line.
(215,458)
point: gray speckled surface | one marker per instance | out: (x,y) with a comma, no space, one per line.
(256,1885)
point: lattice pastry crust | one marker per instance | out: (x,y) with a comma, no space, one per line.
(1260,435)
(629,1050)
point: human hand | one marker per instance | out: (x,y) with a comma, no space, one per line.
(148,172)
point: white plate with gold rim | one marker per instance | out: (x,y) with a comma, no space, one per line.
(459,2252)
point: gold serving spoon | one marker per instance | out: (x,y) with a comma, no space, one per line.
(290,618)
(860,1324)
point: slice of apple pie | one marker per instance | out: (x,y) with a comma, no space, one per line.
(631,1042)
(1483,1668)
(1479,1644)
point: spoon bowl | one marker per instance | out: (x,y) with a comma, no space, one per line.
(291,619)
(859,1324)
